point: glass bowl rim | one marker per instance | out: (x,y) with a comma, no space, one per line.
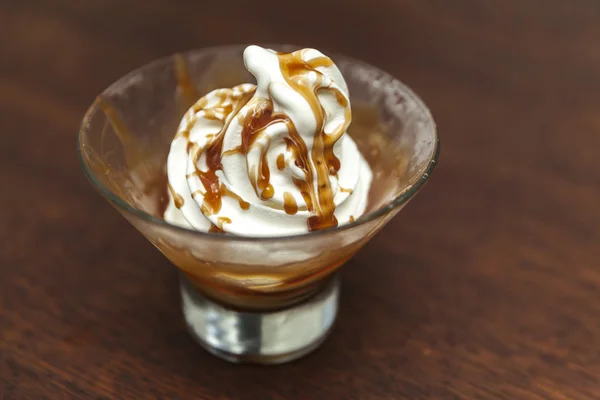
(422,176)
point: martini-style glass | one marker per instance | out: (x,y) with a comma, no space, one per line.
(259,300)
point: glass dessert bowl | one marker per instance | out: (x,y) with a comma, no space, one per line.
(251,299)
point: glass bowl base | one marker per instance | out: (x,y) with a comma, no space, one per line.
(255,337)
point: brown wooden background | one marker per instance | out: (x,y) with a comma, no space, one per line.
(487,286)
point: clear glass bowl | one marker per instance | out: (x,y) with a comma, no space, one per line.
(262,300)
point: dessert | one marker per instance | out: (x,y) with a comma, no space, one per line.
(256,160)
(270,159)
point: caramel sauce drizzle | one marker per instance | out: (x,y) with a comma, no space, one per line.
(319,197)
(281,162)
(254,124)
(221,221)
(219,227)
(215,229)
(223,191)
(244,205)
(320,62)
(213,189)
(263,181)
(324,161)
(289,203)
(176,196)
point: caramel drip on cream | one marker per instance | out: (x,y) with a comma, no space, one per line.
(221,221)
(281,162)
(289,203)
(215,229)
(176,196)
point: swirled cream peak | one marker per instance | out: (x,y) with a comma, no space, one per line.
(269,159)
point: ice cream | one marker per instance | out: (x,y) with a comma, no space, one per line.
(270,159)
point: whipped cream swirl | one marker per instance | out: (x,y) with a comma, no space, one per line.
(269,159)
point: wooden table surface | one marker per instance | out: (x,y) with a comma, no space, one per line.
(487,286)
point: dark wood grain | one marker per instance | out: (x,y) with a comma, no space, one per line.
(487,286)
